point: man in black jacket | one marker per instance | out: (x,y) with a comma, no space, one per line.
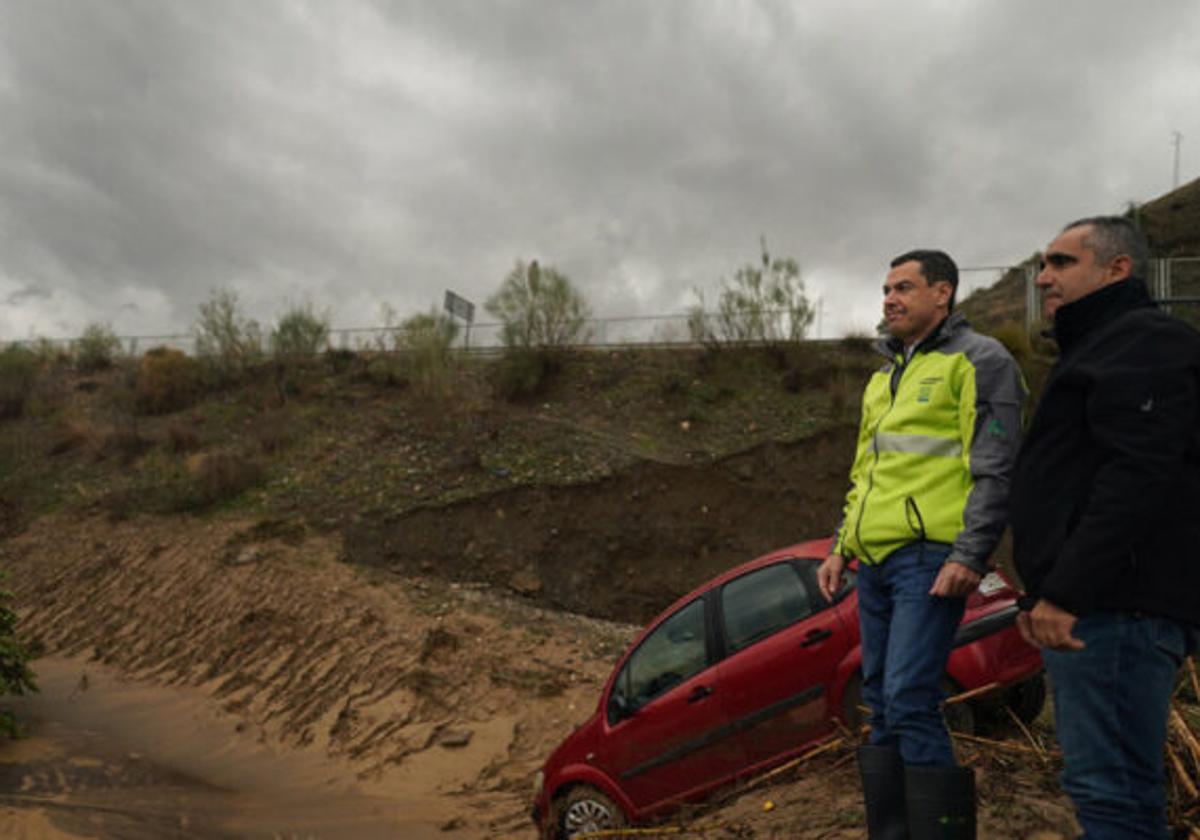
(1105,526)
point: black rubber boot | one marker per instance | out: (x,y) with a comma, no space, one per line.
(941,803)
(882,772)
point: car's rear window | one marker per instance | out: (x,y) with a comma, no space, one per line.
(761,603)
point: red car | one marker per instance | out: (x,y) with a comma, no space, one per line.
(740,675)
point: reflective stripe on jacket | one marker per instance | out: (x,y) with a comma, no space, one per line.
(936,447)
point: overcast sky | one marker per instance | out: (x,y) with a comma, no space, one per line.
(348,153)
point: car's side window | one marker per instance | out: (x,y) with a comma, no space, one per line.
(675,651)
(761,603)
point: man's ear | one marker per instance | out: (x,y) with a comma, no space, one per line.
(1120,268)
(945,292)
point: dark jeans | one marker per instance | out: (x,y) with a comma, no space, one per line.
(1110,710)
(906,638)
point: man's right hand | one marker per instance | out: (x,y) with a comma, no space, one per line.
(829,575)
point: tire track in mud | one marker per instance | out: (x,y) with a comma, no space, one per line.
(311,653)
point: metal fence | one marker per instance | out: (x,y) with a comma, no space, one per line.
(1173,282)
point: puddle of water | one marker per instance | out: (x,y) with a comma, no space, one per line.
(111,759)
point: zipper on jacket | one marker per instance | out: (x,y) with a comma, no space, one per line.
(893,387)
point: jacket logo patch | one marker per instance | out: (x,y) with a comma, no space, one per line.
(996,428)
(1148,405)
(925,388)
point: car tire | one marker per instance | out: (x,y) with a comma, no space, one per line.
(585,809)
(1028,699)
(959,717)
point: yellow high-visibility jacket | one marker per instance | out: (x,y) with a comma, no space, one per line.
(936,447)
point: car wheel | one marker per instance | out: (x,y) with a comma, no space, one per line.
(585,809)
(1027,699)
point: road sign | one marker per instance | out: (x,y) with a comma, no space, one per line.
(460,307)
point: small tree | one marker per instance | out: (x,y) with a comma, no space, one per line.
(300,333)
(96,348)
(539,308)
(15,676)
(225,338)
(427,339)
(764,303)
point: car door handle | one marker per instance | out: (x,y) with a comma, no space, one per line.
(814,636)
(699,693)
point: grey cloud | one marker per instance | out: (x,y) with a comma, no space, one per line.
(357,151)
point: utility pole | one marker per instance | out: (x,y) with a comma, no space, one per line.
(1178,138)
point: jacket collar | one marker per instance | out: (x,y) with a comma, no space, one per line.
(950,326)
(1076,319)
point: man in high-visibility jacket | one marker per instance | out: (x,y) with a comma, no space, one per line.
(928,504)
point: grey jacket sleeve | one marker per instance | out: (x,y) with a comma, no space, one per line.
(991,437)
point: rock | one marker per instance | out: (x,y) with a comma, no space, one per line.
(455,738)
(525,582)
(252,554)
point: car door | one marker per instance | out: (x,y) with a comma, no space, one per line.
(782,646)
(668,737)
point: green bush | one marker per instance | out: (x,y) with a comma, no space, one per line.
(524,373)
(227,342)
(538,308)
(18,376)
(96,348)
(426,340)
(300,333)
(764,303)
(15,675)
(167,380)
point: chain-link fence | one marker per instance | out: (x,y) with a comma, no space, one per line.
(1174,282)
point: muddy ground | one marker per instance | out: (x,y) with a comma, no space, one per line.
(204,677)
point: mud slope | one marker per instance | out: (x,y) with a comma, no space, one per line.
(424,690)
(625,547)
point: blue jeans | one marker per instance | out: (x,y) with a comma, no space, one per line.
(1110,710)
(906,638)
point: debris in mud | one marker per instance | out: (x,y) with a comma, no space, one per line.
(455,738)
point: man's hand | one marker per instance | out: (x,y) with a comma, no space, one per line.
(1048,626)
(829,575)
(955,580)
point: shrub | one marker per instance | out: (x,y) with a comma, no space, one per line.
(226,341)
(167,380)
(222,476)
(15,675)
(18,376)
(339,360)
(182,439)
(96,348)
(426,340)
(764,303)
(385,372)
(523,373)
(300,333)
(538,308)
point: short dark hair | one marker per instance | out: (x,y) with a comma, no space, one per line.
(936,266)
(1114,236)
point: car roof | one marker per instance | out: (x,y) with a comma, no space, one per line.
(812,549)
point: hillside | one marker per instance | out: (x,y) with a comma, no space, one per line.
(1172,226)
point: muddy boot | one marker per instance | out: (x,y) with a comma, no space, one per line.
(941,803)
(882,772)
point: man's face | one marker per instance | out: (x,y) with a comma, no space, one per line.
(912,306)
(1069,270)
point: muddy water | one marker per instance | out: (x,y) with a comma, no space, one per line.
(110,759)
